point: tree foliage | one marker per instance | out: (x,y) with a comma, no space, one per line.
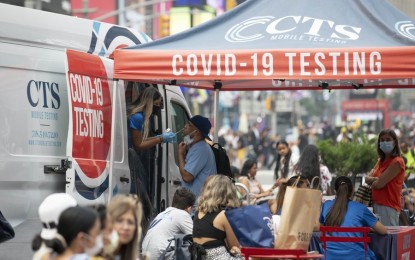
(352,157)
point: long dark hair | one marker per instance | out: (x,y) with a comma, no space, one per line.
(283,188)
(309,163)
(396,150)
(72,221)
(286,163)
(344,190)
(247,166)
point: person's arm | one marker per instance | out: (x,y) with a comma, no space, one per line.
(186,224)
(370,179)
(380,228)
(231,239)
(244,180)
(140,144)
(262,192)
(389,174)
(187,177)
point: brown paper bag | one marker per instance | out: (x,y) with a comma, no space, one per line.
(299,214)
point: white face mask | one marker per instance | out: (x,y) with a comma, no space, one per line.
(99,244)
(110,248)
(187,139)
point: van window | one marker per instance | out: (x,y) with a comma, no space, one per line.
(179,118)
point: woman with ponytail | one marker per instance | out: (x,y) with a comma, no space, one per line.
(343,212)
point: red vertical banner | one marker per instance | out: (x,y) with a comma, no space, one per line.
(90,111)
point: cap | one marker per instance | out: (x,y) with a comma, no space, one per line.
(202,124)
(50,210)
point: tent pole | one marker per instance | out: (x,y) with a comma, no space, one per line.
(112,143)
(216,116)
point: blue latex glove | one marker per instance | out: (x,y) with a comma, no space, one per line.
(169,137)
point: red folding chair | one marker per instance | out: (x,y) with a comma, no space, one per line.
(325,237)
(268,253)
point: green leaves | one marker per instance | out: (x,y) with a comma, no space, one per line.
(349,157)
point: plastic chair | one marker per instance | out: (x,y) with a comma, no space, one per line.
(242,189)
(277,253)
(365,239)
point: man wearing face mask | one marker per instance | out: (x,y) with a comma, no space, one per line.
(386,178)
(199,161)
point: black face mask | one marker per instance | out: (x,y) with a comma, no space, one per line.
(156,110)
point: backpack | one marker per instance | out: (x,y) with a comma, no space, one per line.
(180,250)
(223,166)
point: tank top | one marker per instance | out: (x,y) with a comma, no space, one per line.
(203,227)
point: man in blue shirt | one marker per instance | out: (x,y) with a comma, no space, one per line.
(199,161)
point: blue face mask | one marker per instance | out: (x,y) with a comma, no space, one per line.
(386,146)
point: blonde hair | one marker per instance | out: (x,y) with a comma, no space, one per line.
(144,104)
(118,206)
(217,193)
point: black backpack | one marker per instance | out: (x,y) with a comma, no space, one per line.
(223,166)
(180,250)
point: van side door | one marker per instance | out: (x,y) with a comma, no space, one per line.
(92,126)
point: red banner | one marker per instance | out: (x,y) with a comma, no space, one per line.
(303,64)
(90,111)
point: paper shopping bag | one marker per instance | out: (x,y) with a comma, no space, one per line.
(252,225)
(300,213)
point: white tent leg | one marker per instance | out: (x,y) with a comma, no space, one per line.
(112,143)
(216,116)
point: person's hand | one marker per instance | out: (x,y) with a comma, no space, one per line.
(182,148)
(169,137)
(235,251)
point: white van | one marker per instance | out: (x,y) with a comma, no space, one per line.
(59,111)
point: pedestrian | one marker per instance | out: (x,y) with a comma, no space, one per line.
(196,158)
(212,232)
(285,161)
(49,212)
(139,113)
(309,163)
(126,214)
(302,140)
(409,155)
(386,178)
(139,143)
(78,235)
(109,235)
(343,212)
(173,221)
(248,174)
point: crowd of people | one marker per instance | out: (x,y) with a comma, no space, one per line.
(71,231)
(75,232)
(115,231)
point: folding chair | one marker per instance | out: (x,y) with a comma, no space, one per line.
(243,191)
(259,252)
(325,237)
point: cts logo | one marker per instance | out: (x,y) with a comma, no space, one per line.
(300,25)
(234,34)
(45,94)
(406,29)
